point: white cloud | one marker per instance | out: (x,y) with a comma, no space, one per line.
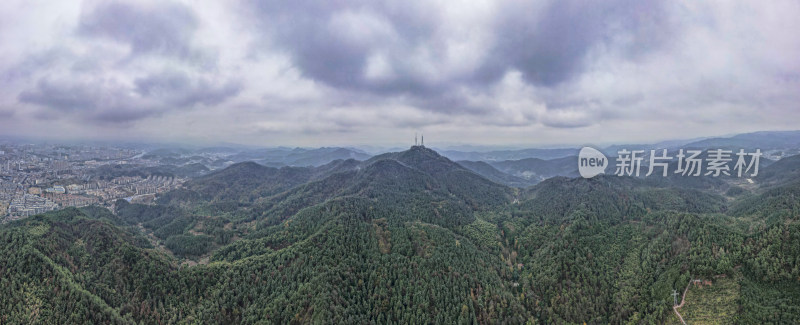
(477,71)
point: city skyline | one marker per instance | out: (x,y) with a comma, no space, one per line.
(352,73)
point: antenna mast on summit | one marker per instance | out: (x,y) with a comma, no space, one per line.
(423,140)
(415,139)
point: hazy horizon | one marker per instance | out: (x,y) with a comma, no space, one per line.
(367,148)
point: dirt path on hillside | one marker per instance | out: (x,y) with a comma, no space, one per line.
(683,300)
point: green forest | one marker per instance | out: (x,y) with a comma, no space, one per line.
(407,238)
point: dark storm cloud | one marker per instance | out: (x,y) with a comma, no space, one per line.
(97,87)
(62,96)
(311,32)
(94,100)
(121,115)
(36,62)
(550,46)
(163,29)
(451,102)
(6,113)
(107,101)
(176,88)
(547,45)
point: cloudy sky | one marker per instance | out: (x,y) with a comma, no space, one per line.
(315,73)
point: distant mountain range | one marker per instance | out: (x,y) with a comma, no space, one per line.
(491,173)
(517,168)
(276,157)
(502,155)
(764,140)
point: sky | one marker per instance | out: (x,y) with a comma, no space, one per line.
(321,73)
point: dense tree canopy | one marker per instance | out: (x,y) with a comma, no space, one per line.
(402,238)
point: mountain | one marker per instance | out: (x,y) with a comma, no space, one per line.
(537,170)
(81,259)
(614,198)
(218,150)
(321,156)
(780,172)
(415,177)
(774,144)
(278,192)
(216,157)
(500,155)
(336,166)
(189,170)
(166,153)
(299,157)
(494,175)
(766,140)
(248,181)
(457,180)
(404,237)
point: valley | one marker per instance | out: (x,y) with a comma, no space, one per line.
(411,237)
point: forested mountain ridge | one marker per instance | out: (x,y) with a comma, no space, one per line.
(486,170)
(408,237)
(76,267)
(780,172)
(248,181)
(539,169)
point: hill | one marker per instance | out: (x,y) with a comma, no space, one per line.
(455,179)
(299,157)
(501,155)
(248,181)
(321,156)
(494,175)
(765,140)
(780,172)
(403,237)
(417,177)
(537,170)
